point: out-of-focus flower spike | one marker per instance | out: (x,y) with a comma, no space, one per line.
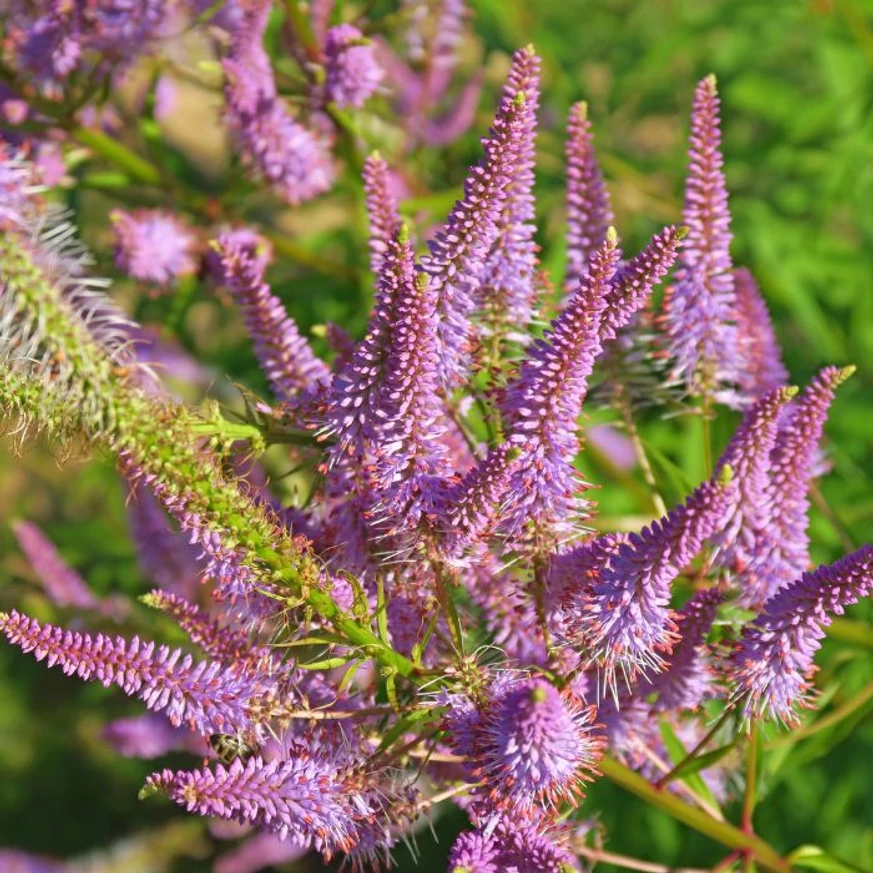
(449,28)
(762,369)
(358,402)
(285,355)
(64,586)
(341,344)
(25,862)
(460,248)
(352,73)
(792,470)
(542,406)
(320,12)
(618,613)
(149,736)
(381,208)
(259,851)
(509,278)
(206,696)
(457,119)
(633,283)
(700,306)
(686,679)
(164,556)
(589,212)
(772,667)
(153,246)
(292,159)
(743,543)
(302,798)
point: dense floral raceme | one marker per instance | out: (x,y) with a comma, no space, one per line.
(387,587)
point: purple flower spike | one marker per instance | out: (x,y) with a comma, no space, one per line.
(743,544)
(762,369)
(149,736)
(64,586)
(221,643)
(411,455)
(633,283)
(358,405)
(282,351)
(259,851)
(773,665)
(474,505)
(537,747)
(589,213)
(293,159)
(301,798)
(792,471)
(381,209)
(686,679)
(618,612)
(513,847)
(459,250)
(510,273)
(153,246)
(474,852)
(164,557)
(543,405)
(700,305)
(352,73)
(207,697)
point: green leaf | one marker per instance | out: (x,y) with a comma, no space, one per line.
(815,858)
(677,751)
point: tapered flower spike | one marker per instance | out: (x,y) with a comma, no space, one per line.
(509,279)
(772,668)
(792,471)
(359,396)
(381,209)
(206,696)
(411,465)
(762,369)
(61,582)
(542,406)
(589,212)
(743,543)
(700,306)
(537,747)
(633,283)
(352,74)
(220,642)
(687,678)
(619,613)
(293,160)
(302,798)
(460,248)
(282,351)
(448,33)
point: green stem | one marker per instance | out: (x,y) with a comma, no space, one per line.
(137,167)
(682,765)
(707,435)
(727,834)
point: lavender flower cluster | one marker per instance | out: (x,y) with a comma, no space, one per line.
(444,619)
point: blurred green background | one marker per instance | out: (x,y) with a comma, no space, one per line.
(796,78)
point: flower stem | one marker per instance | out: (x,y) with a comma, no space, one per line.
(727,834)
